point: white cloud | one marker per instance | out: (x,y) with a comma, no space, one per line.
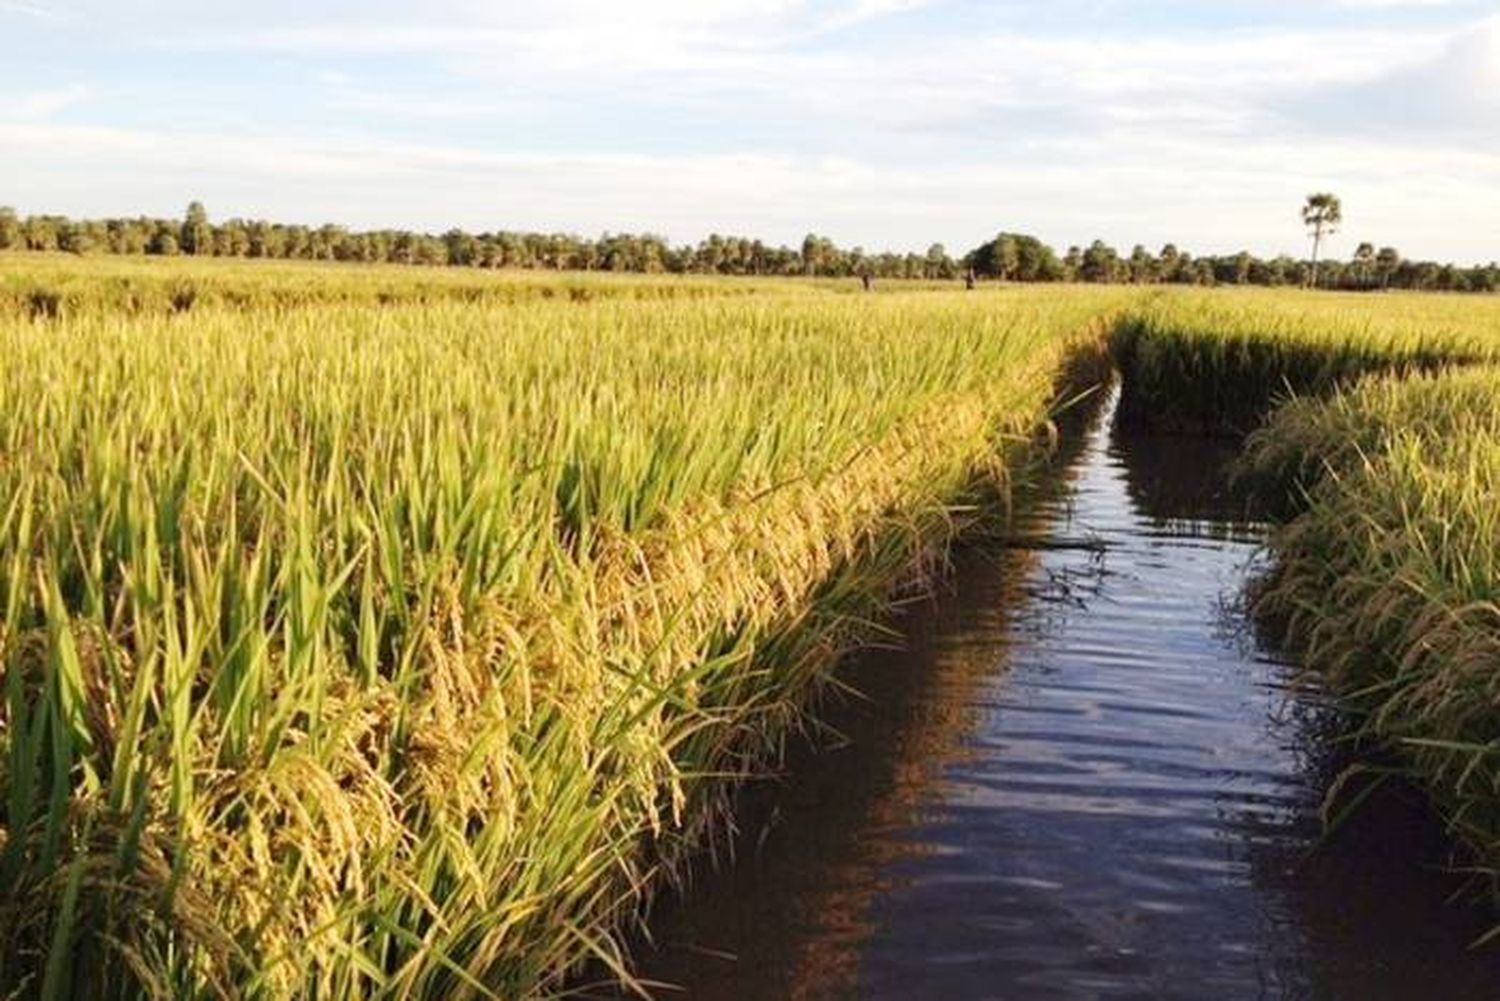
(1152,191)
(30,9)
(877,121)
(458,28)
(40,104)
(1396,3)
(1452,95)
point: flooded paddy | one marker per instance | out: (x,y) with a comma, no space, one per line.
(1083,776)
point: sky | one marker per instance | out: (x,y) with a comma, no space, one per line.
(889,124)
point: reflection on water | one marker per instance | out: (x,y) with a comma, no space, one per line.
(1082,778)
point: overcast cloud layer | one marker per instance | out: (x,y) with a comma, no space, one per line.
(886,123)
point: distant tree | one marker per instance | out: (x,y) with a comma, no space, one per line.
(811,246)
(1424,275)
(1011,256)
(1007,257)
(299,243)
(1170,264)
(77,238)
(1283,270)
(711,255)
(140,235)
(937,263)
(1297,273)
(197,236)
(1039,262)
(1241,267)
(1072,262)
(10,228)
(232,239)
(40,233)
(267,240)
(1387,261)
(1322,214)
(128,236)
(1142,265)
(760,258)
(859,262)
(462,247)
(1099,263)
(1015,257)
(588,255)
(1364,262)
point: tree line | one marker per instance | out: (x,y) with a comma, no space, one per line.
(1009,256)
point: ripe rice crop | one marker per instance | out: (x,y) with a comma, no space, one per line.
(395,650)
(1388,579)
(372,632)
(1219,361)
(50,286)
(1383,447)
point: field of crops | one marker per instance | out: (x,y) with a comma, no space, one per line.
(53,286)
(355,649)
(50,286)
(1375,428)
(371,635)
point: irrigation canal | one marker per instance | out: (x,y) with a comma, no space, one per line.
(1082,777)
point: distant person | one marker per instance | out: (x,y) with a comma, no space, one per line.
(867,281)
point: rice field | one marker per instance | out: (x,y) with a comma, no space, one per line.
(1219,361)
(370,634)
(1388,577)
(391,651)
(1374,425)
(1377,433)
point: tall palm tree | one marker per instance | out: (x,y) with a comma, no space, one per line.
(1322,214)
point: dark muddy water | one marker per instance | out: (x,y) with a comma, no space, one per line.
(1082,777)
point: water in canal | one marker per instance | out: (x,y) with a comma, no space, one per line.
(1082,777)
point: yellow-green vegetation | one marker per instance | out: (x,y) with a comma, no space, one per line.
(357,651)
(1388,580)
(1218,361)
(1383,447)
(50,286)
(373,632)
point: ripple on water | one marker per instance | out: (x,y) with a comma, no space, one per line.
(1083,779)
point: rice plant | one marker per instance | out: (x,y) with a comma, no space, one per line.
(1388,577)
(1219,361)
(399,650)
(1376,428)
(373,633)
